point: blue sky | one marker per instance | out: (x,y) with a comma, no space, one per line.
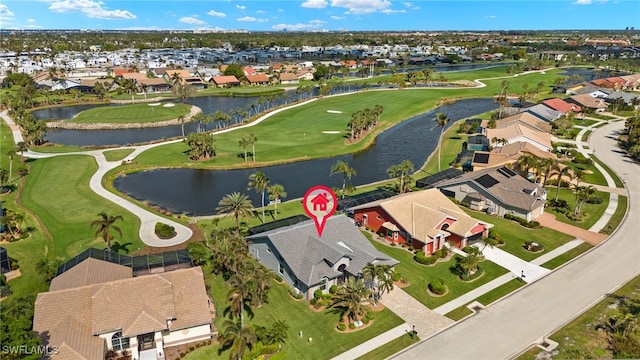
(304,15)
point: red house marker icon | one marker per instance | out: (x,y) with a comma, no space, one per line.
(320,203)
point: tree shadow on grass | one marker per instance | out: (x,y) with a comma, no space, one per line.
(117,247)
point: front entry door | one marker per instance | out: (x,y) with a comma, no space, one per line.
(145,342)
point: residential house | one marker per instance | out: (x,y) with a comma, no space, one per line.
(544,112)
(98,304)
(562,106)
(477,142)
(586,101)
(497,190)
(153,85)
(224,81)
(518,132)
(305,74)
(171,75)
(424,220)
(257,79)
(526,120)
(507,154)
(309,262)
(288,78)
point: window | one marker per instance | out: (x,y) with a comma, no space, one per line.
(269,250)
(409,240)
(379,217)
(323,286)
(280,268)
(395,235)
(119,343)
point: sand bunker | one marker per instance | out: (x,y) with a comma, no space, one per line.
(334,112)
(331,132)
(154,104)
(169,105)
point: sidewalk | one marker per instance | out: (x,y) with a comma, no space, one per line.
(514,264)
(374,343)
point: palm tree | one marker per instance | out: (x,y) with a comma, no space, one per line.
(469,263)
(380,277)
(441,121)
(560,172)
(401,172)
(104,226)
(276,192)
(22,147)
(259,182)
(181,119)
(341,167)
(526,162)
(352,299)
(243,143)
(11,154)
(235,204)
(239,338)
(240,285)
(253,140)
(278,333)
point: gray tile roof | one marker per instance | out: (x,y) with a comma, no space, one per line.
(508,190)
(311,257)
(544,112)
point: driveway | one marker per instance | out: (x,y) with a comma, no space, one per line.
(549,220)
(511,325)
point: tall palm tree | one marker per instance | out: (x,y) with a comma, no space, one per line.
(341,167)
(11,154)
(441,121)
(22,147)
(253,140)
(352,298)
(560,171)
(181,119)
(235,204)
(380,278)
(276,192)
(526,162)
(259,182)
(239,338)
(401,172)
(240,286)
(104,226)
(243,143)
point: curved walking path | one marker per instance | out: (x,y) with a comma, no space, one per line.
(525,317)
(148,219)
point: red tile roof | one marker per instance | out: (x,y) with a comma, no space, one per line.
(257,78)
(561,105)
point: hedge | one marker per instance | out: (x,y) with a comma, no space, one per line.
(423,259)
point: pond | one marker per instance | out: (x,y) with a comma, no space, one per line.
(197,192)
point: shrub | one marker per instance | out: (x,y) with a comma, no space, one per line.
(333,289)
(278,278)
(533,246)
(594,200)
(294,293)
(317,294)
(444,252)
(437,287)
(342,327)
(5,291)
(472,250)
(475,275)
(522,221)
(352,326)
(369,315)
(396,276)
(365,320)
(438,253)
(313,301)
(423,259)
(165,231)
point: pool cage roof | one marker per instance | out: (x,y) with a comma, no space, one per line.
(141,264)
(430,180)
(292,220)
(374,195)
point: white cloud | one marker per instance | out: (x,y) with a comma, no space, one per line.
(31,20)
(315,4)
(241,7)
(389,11)
(490,16)
(191,20)
(260,12)
(582,2)
(90,8)
(407,4)
(280,10)
(33,26)
(338,17)
(311,25)
(142,28)
(252,19)
(216,13)
(362,6)
(5,13)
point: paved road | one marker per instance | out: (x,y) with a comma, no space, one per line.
(511,325)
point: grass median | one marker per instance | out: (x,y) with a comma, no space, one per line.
(134,113)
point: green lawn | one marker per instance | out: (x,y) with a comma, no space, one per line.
(595,177)
(584,122)
(617,216)
(420,275)
(327,342)
(569,255)
(119,154)
(451,147)
(581,334)
(615,177)
(459,313)
(593,211)
(514,235)
(57,189)
(134,113)
(390,348)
